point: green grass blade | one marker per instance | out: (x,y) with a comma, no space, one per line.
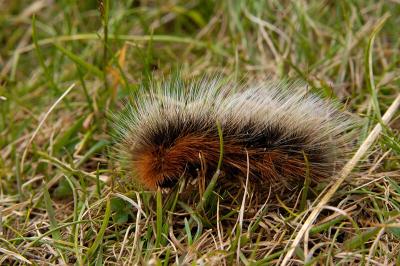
(99,238)
(360,239)
(369,66)
(188,232)
(63,139)
(51,213)
(159,218)
(94,149)
(79,61)
(213,182)
(307,181)
(40,57)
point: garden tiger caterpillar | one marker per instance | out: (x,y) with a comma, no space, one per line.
(273,132)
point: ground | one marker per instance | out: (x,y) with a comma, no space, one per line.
(66,64)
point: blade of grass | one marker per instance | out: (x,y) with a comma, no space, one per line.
(62,140)
(369,67)
(85,90)
(51,213)
(75,218)
(98,185)
(360,239)
(17,174)
(99,257)
(193,217)
(303,201)
(166,259)
(159,218)
(79,61)
(214,179)
(53,221)
(95,148)
(104,12)
(323,227)
(99,238)
(188,232)
(40,56)
(242,207)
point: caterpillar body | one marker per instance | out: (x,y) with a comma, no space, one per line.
(273,132)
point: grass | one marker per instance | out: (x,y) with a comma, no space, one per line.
(65,64)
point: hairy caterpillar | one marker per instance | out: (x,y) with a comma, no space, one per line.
(275,132)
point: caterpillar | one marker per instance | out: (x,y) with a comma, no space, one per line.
(273,132)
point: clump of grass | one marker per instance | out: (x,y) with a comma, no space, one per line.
(63,201)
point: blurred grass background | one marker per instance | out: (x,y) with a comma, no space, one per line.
(65,202)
